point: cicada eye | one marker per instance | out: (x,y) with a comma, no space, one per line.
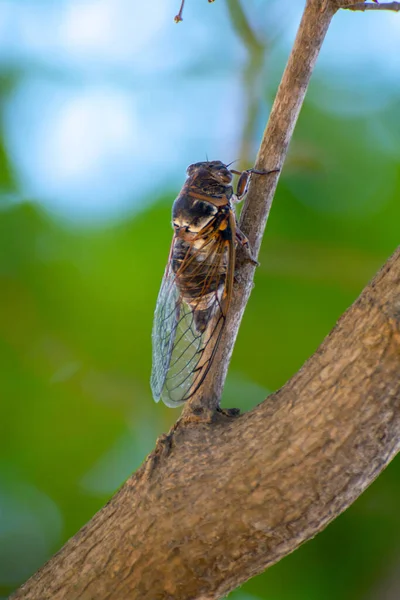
(192,168)
(223,174)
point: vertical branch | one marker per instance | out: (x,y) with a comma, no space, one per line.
(272,153)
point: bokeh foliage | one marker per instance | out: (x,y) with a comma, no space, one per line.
(76,306)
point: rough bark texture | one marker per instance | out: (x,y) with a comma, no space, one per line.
(218,502)
(222,498)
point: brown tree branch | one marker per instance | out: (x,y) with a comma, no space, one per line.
(274,145)
(216,503)
(220,498)
(363,6)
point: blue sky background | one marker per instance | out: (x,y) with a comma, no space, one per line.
(115,99)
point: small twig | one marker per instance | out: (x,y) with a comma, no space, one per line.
(363,6)
(178,17)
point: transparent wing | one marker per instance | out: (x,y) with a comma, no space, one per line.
(186,333)
(166,321)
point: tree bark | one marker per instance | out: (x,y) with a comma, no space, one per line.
(221,498)
(218,502)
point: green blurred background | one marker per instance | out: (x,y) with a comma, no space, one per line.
(103,105)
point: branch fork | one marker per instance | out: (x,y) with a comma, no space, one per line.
(222,498)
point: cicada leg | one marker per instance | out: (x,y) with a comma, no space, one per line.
(241,191)
(244,180)
(244,242)
(229,412)
(243,185)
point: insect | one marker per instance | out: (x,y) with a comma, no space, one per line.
(196,289)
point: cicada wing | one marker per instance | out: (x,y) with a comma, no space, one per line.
(186,334)
(166,320)
(179,341)
(191,356)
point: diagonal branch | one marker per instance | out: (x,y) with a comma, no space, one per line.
(216,503)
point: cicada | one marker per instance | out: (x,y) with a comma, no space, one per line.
(196,289)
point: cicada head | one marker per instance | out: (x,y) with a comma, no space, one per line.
(208,188)
(214,169)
